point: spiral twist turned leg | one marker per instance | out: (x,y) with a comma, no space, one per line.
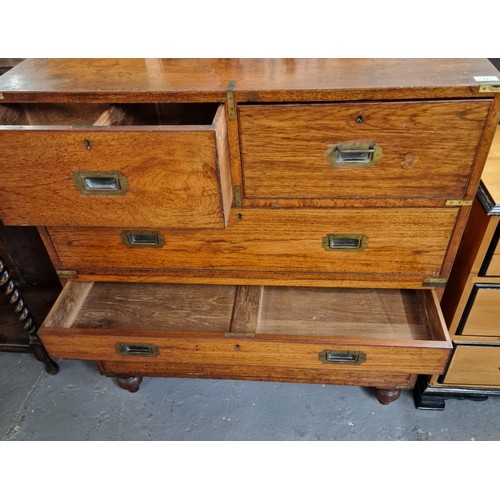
(21,310)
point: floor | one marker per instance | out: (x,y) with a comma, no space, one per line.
(78,404)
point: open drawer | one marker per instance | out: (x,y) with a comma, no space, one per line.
(378,331)
(164,165)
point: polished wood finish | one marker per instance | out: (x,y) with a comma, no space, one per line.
(386,396)
(427,149)
(190,80)
(131,384)
(172,171)
(259,372)
(292,326)
(400,243)
(233,305)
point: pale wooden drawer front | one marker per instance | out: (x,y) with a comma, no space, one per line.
(427,149)
(474,365)
(398,242)
(123,175)
(491,264)
(481,317)
(362,330)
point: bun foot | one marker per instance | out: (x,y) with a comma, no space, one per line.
(131,384)
(386,396)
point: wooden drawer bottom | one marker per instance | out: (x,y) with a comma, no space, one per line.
(310,334)
(475,366)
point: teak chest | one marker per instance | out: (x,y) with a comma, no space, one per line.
(261,219)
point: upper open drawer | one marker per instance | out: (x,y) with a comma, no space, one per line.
(360,150)
(91,165)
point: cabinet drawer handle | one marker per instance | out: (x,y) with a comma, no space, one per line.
(143,239)
(345,242)
(354,154)
(342,357)
(146,350)
(100,183)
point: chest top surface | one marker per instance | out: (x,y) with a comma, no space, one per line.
(39,80)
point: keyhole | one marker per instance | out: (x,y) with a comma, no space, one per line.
(359,119)
(87,144)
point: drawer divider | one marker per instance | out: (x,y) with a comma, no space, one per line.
(246,311)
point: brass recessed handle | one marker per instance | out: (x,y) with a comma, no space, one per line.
(146,350)
(342,357)
(100,183)
(143,239)
(354,154)
(356,242)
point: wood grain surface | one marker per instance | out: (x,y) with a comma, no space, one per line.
(262,373)
(469,258)
(171,307)
(187,324)
(172,173)
(129,80)
(483,320)
(474,365)
(399,242)
(428,149)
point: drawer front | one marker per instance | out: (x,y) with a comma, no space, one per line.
(150,347)
(491,264)
(423,149)
(168,176)
(362,330)
(481,317)
(474,365)
(374,241)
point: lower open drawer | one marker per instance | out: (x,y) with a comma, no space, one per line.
(370,330)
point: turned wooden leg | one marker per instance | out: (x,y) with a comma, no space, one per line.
(386,396)
(51,367)
(20,308)
(131,384)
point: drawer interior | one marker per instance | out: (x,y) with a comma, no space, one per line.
(82,115)
(392,315)
(87,115)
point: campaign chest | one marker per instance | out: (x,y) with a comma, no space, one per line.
(285,220)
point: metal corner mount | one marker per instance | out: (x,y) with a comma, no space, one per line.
(231,109)
(438,282)
(490,87)
(66,274)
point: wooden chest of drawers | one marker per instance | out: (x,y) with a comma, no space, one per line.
(256,219)
(471,302)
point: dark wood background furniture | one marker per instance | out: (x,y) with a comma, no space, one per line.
(267,219)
